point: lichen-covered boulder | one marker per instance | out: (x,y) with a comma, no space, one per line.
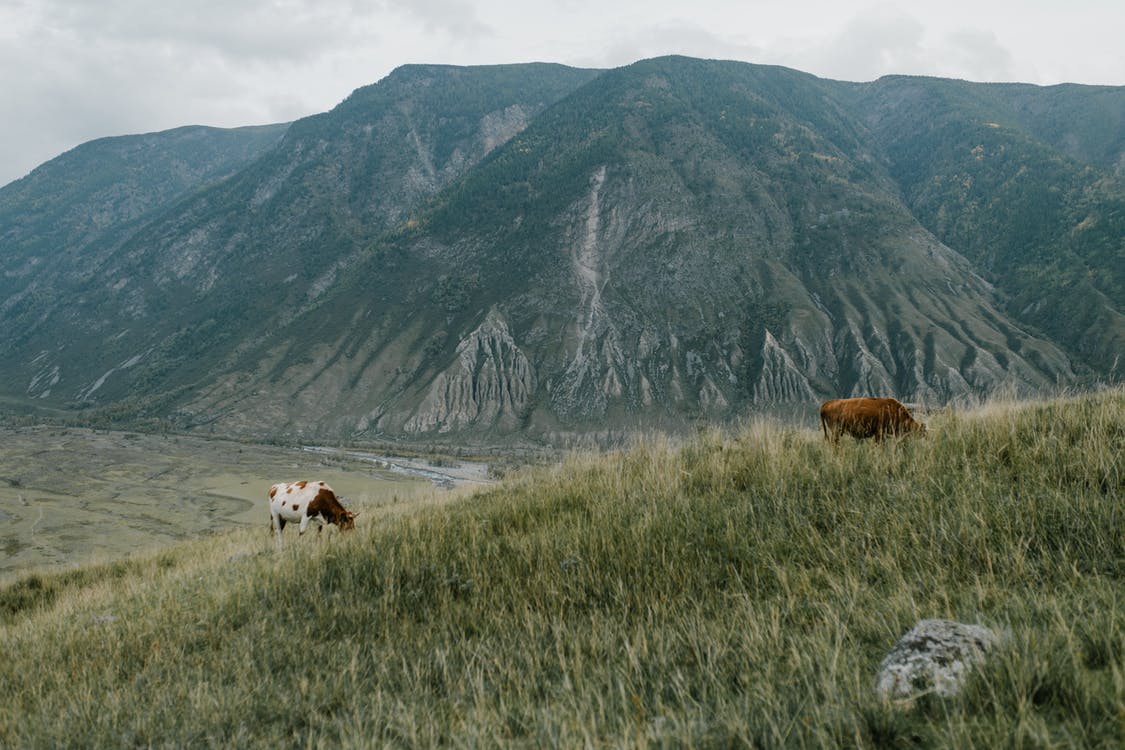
(935,656)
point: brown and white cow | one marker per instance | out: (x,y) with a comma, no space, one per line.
(866,418)
(300,502)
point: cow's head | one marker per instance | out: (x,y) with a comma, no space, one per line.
(914,428)
(345,519)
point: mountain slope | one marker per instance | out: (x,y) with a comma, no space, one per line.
(541,250)
(183,288)
(1027,183)
(58,224)
(51,220)
(676,239)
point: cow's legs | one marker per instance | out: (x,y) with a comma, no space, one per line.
(278,525)
(305,523)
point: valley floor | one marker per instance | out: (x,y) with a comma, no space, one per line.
(71,496)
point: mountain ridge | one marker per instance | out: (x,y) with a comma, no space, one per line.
(537,250)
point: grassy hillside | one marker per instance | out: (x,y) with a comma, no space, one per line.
(76,496)
(729,591)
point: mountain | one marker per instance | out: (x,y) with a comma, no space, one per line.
(541,250)
(58,223)
(147,315)
(99,189)
(1026,182)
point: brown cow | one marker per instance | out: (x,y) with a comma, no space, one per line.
(866,417)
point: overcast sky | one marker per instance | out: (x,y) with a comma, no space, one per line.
(75,70)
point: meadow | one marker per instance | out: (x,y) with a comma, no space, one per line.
(73,495)
(727,590)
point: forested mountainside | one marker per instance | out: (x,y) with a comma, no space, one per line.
(541,250)
(97,191)
(1026,182)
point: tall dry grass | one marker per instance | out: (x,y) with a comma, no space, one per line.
(727,591)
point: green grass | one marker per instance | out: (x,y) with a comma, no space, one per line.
(729,591)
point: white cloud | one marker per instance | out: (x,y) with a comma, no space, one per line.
(454,17)
(979,56)
(883,40)
(685,38)
(75,71)
(250,30)
(869,46)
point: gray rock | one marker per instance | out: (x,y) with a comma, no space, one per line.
(490,384)
(935,656)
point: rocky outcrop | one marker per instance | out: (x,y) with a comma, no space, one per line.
(591,375)
(935,656)
(781,379)
(490,384)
